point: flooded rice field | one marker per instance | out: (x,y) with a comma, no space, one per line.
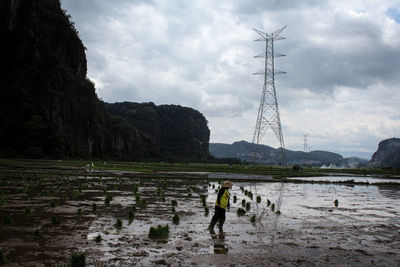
(351,179)
(46,218)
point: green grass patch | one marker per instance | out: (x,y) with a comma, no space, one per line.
(336,203)
(241,212)
(28,211)
(7,220)
(137,197)
(77,260)
(203,199)
(206,211)
(275,171)
(3,258)
(53,203)
(118,224)
(176,219)
(37,233)
(131,215)
(107,199)
(248,205)
(98,238)
(55,220)
(159,232)
(75,194)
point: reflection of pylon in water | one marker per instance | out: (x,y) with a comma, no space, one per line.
(279,203)
(259,217)
(272,221)
(268,112)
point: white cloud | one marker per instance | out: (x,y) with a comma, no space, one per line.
(342,63)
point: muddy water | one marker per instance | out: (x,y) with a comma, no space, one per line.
(353,179)
(363,230)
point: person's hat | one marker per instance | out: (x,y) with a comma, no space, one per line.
(226,184)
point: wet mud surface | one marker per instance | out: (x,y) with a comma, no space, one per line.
(44,218)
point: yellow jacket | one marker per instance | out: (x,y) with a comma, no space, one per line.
(223,198)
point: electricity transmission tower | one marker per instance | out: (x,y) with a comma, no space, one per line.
(305,145)
(268,112)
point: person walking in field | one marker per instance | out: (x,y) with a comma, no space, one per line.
(221,204)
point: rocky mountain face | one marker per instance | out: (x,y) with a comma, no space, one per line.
(49,107)
(175,131)
(387,155)
(268,155)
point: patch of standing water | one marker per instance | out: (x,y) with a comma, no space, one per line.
(236,176)
(362,179)
(306,207)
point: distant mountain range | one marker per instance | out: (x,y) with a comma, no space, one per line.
(269,155)
(387,155)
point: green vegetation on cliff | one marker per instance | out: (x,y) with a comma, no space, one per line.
(177,132)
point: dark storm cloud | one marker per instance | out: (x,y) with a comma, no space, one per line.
(328,48)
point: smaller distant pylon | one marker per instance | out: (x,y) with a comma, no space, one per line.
(305,144)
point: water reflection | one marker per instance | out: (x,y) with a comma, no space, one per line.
(350,179)
(219,242)
(392,192)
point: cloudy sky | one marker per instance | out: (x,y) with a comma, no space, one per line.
(342,63)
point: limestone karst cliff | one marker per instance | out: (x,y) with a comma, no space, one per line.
(387,155)
(49,108)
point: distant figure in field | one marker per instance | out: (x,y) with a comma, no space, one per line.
(221,204)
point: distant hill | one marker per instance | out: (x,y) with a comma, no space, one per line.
(268,155)
(387,155)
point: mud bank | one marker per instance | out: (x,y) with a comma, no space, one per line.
(44,218)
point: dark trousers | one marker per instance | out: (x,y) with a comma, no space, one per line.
(219,216)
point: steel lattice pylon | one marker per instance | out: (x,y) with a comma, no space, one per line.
(268,112)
